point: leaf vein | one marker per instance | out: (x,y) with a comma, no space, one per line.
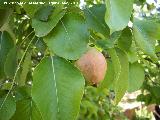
(55,84)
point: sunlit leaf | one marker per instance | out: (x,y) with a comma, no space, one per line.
(118,13)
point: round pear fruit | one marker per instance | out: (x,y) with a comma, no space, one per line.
(93,66)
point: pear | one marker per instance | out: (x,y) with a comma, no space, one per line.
(93,66)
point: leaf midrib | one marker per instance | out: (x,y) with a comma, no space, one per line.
(55,84)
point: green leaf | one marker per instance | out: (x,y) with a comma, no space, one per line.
(31,7)
(43,28)
(105,44)
(155,91)
(95,19)
(157,49)
(41,45)
(121,68)
(143,34)
(147,99)
(26,109)
(2,93)
(6,86)
(23,92)
(116,63)
(151,28)
(121,85)
(136,77)
(6,43)
(25,69)
(118,13)
(11,63)
(4,15)
(125,41)
(115,36)
(43,13)
(63,86)
(8,108)
(109,43)
(69,38)
(109,77)
(132,53)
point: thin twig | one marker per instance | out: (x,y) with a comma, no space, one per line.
(26,37)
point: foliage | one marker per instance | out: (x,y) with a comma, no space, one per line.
(39,45)
(97,105)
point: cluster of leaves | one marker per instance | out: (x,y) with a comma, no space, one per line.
(97,105)
(151,86)
(40,43)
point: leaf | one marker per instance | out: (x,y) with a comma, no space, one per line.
(25,69)
(63,86)
(136,77)
(151,28)
(118,13)
(11,63)
(2,93)
(132,53)
(43,28)
(23,92)
(26,110)
(4,15)
(41,45)
(31,7)
(109,43)
(6,43)
(95,19)
(105,44)
(6,86)
(8,109)
(155,91)
(147,99)
(109,77)
(115,36)
(144,36)
(121,67)
(116,63)
(43,13)
(121,85)
(69,38)
(157,49)
(125,40)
